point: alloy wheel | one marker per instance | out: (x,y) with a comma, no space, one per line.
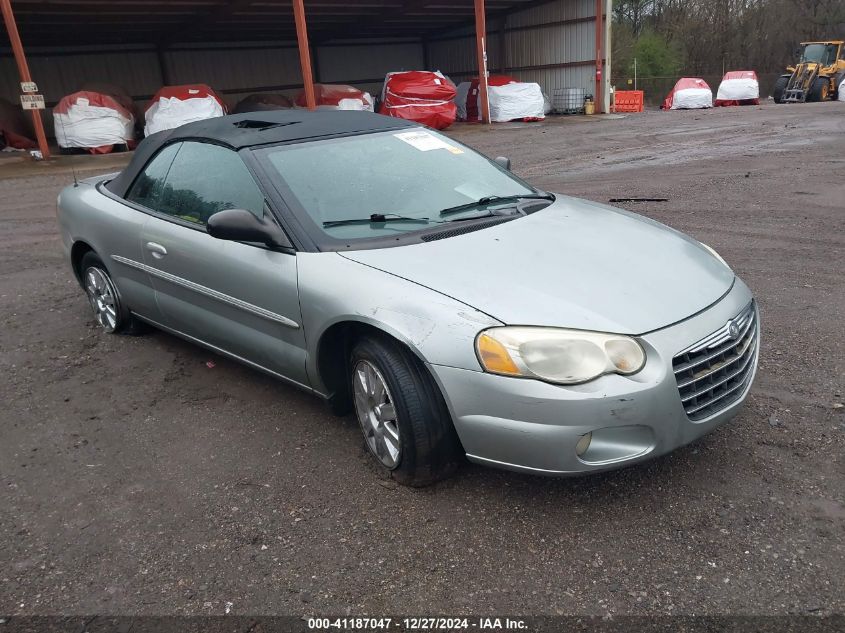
(103,298)
(376,413)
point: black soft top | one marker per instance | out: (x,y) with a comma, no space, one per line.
(252,129)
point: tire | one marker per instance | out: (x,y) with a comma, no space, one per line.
(413,410)
(109,311)
(820,90)
(780,86)
(839,79)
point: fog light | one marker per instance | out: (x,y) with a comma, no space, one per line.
(583,444)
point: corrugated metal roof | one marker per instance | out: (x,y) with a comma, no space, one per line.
(168,21)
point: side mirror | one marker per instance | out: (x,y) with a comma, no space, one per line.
(503,161)
(239,225)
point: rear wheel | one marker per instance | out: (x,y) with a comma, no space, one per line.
(105,301)
(840,79)
(403,417)
(820,90)
(780,86)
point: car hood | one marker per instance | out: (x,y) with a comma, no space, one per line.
(574,264)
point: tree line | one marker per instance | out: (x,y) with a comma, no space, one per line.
(670,38)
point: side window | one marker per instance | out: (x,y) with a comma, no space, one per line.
(147,188)
(205,179)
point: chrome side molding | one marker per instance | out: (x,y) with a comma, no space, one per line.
(208,292)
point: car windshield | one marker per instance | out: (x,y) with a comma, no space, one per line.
(824,54)
(387,184)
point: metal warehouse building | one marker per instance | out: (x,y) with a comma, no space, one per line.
(241,47)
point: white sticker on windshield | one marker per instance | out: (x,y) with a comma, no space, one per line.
(426,142)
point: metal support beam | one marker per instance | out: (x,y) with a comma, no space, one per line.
(481,51)
(23,69)
(304,53)
(598,99)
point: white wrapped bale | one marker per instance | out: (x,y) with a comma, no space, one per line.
(516,101)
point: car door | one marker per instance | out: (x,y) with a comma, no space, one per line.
(125,222)
(237,297)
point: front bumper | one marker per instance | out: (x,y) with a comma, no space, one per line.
(532,426)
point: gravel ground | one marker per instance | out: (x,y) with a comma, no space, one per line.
(137,480)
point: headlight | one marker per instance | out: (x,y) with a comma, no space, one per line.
(713,252)
(564,357)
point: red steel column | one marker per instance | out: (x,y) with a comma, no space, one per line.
(304,53)
(23,69)
(481,50)
(599,102)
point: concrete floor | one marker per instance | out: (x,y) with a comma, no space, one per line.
(134,479)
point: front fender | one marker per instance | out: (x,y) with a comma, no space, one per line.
(333,289)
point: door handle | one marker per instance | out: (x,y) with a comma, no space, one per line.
(158,251)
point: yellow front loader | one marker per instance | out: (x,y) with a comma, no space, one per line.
(817,76)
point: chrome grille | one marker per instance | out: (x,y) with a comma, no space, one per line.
(715,372)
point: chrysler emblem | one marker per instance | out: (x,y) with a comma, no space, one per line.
(733,330)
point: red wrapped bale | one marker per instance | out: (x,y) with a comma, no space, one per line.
(421,96)
(690,93)
(510,100)
(94,121)
(173,106)
(738,87)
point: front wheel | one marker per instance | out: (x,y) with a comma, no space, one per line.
(405,422)
(780,87)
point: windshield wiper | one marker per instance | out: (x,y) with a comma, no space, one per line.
(375,218)
(486,200)
(513,214)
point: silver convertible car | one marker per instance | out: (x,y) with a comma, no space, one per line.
(394,272)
